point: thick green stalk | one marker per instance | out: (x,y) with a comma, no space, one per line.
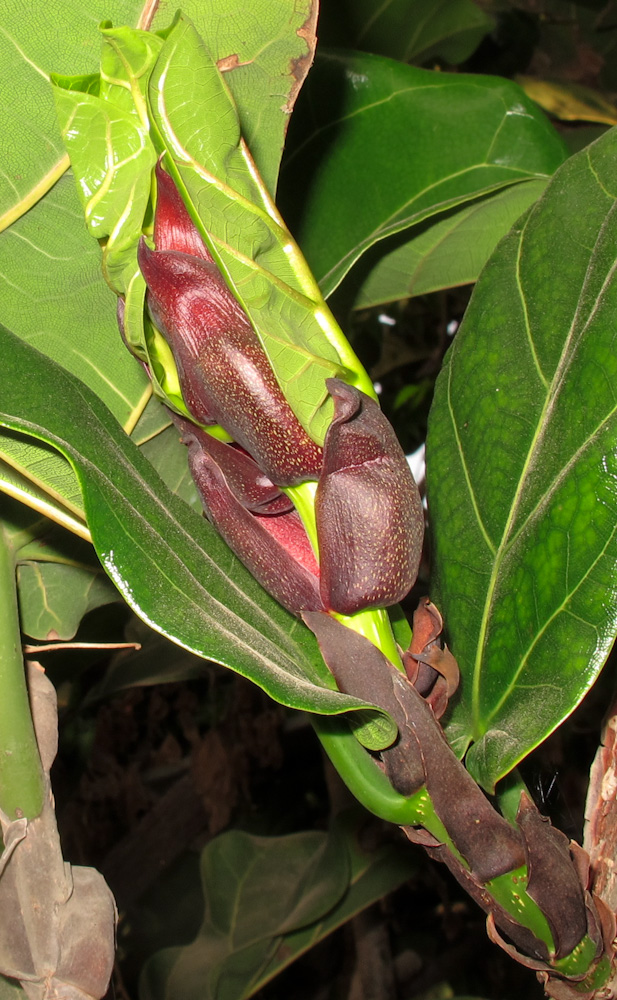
(21,775)
(374,623)
(372,789)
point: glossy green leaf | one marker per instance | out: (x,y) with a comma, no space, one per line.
(169,564)
(444,253)
(409,30)
(522,471)
(377,147)
(267,901)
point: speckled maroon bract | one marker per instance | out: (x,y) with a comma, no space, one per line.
(274,546)
(224,373)
(368,509)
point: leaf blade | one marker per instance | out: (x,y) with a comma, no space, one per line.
(523,585)
(166,560)
(443,253)
(353,177)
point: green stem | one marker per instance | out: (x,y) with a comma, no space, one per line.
(370,786)
(508,794)
(510,891)
(374,623)
(21,775)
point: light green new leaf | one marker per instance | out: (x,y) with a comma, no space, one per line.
(265,51)
(376,147)
(112,157)
(522,471)
(127,59)
(105,131)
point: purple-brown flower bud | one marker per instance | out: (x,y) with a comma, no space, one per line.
(224,373)
(256,521)
(244,477)
(370,522)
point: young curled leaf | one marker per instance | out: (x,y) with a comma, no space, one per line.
(428,662)
(224,374)
(368,509)
(272,545)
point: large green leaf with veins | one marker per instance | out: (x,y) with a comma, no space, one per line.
(440,253)
(166,560)
(377,147)
(522,469)
(54,294)
(410,30)
(266,901)
(192,118)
